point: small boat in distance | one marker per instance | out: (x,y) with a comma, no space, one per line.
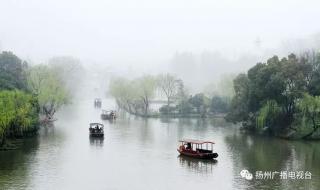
(108,115)
(197,149)
(97,103)
(96,130)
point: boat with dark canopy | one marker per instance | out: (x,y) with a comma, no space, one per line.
(197,149)
(108,115)
(96,130)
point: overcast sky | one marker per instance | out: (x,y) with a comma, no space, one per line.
(147,31)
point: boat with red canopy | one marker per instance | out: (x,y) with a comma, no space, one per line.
(197,149)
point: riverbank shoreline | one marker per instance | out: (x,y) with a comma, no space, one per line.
(159,115)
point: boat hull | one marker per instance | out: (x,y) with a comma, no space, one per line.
(198,155)
(107,117)
(96,134)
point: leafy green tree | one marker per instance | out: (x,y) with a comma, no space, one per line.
(267,96)
(185,107)
(219,104)
(18,114)
(200,102)
(268,115)
(12,75)
(44,82)
(240,103)
(125,94)
(146,87)
(310,108)
(134,95)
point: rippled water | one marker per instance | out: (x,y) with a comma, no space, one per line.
(141,154)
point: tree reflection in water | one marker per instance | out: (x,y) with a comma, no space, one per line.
(256,153)
(13,165)
(197,165)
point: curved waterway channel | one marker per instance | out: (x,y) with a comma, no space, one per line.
(139,154)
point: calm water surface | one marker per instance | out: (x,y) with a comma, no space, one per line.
(141,154)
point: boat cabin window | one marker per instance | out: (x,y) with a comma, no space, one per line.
(197,146)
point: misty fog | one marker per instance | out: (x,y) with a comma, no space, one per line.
(167,94)
(204,39)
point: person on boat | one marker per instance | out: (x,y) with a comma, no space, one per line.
(188,146)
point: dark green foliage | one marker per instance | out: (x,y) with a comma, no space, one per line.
(12,72)
(19,114)
(219,104)
(19,110)
(200,102)
(167,109)
(268,94)
(239,104)
(185,107)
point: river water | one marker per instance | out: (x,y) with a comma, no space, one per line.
(141,154)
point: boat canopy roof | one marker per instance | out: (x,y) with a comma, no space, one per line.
(196,141)
(95,124)
(107,111)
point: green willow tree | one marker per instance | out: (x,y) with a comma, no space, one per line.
(134,95)
(44,82)
(310,108)
(18,114)
(146,87)
(125,94)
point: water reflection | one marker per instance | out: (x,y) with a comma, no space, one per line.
(96,141)
(48,130)
(109,121)
(197,165)
(143,152)
(13,165)
(270,154)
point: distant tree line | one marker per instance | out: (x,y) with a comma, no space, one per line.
(135,97)
(280,97)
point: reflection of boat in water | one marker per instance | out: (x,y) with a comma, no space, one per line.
(197,149)
(108,115)
(197,165)
(97,141)
(97,103)
(96,130)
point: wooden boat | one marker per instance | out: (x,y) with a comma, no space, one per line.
(108,115)
(96,130)
(97,103)
(197,149)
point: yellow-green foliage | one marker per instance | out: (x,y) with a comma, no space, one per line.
(46,83)
(310,108)
(309,105)
(18,112)
(134,94)
(267,112)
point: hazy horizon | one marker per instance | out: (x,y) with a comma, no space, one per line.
(144,36)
